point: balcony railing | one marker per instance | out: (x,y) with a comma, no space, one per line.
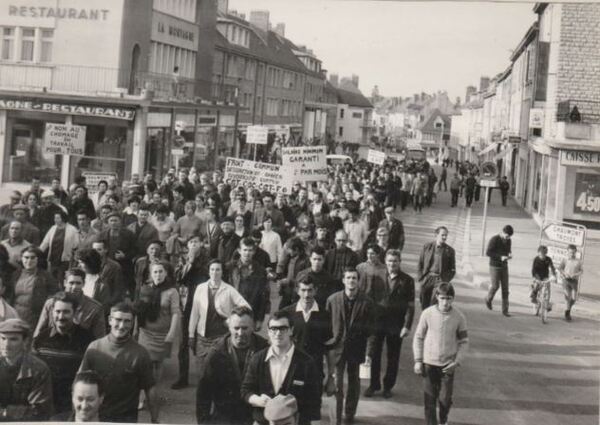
(587,112)
(98,80)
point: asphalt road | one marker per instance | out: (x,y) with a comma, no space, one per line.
(517,371)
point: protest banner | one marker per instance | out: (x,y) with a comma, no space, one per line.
(257,135)
(63,139)
(305,163)
(376,157)
(259,175)
(92,178)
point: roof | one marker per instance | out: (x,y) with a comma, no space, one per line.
(353,99)
(529,37)
(429,122)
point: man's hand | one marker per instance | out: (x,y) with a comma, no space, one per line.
(404,332)
(119,255)
(449,368)
(259,400)
(419,368)
(330,386)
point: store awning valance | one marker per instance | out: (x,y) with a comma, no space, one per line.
(489,148)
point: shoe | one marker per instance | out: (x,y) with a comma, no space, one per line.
(387,393)
(488,304)
(568,315)
(369,392)
(179,385)
(349,419)
(506,313)
(549,307)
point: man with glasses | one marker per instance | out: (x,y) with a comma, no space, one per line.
(282,368)
(499,249)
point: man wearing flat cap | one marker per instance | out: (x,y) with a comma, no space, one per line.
(26,384)
(282,410)
(6,210)
(31,233)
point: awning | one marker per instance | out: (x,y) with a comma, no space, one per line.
(489,148)
(502,154)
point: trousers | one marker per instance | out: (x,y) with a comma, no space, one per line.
(499,279)
(350,404)
(437,388)
(394,343)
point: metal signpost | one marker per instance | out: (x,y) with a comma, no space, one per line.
(489,173)
(557,235)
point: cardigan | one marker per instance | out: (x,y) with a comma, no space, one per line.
(70,245)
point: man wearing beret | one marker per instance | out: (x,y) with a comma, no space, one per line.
(26,384)
(282,410)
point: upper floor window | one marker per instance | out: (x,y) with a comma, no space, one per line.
(27,44)
(8,43)
(46,53)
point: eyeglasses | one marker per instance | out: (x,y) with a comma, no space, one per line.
(276,329)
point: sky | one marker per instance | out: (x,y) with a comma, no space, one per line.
(403,47)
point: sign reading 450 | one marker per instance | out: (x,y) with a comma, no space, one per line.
(587,194)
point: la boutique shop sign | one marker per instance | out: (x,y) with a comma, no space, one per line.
(68,109)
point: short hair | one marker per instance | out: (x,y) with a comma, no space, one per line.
(445,289)
(63,215)
(102,182)
(75,272)
(33,250)
(248,242)
(296,244)
(144,207)
(282,314)
(267,217)
(256,234)
(100,240)
(571,246)
(106,207)
(508,229)
(212,210)
(123,307)
(82,212)
(215,261)
(394,253)
(307,280)
(378,250)
(134,199)
(65,297)
(440,228)
(163,209)
(158,242)
(318,250)
(350,270)
(89,377)
(91,259)
(542,249)
(242,310)
(191,204)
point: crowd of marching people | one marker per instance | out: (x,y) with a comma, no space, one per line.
(100,285)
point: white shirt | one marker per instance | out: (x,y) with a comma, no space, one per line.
(278,366)
(271,243)
(306,315)
(89,284)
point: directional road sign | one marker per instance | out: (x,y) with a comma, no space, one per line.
(565,234)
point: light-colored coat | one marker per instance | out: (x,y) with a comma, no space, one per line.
(70,245)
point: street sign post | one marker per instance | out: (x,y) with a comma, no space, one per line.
(489,173)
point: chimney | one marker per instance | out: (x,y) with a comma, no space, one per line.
(355,80)
(223,6)
(484,82)
(280,29)
(260,19)
(471,90)
(334,80)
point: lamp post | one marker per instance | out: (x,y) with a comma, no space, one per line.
(236,142)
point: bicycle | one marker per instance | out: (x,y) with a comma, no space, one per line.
(543,305)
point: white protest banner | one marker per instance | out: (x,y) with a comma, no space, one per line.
(376,157)
(305,163)
(257,134)
(259,175)
(63,139)
(92,178)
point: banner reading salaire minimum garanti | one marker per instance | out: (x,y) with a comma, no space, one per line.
(259,175)
(305,163)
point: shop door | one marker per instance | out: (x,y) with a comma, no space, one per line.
(23,156)
(156,152)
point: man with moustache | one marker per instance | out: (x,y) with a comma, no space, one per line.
(218,395)
(126,367)
(61,347)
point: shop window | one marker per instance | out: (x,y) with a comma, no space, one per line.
(8,43)
(25,157)
(27,44)
(46,53)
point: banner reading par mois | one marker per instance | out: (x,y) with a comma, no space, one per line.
(305,163)
(259,175)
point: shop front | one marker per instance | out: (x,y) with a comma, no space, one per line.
(107,133)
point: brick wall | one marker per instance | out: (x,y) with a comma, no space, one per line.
(579,60)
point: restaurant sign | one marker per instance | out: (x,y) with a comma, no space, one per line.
(68,108)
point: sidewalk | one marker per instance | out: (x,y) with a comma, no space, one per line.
(525,242)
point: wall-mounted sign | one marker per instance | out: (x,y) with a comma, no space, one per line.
(177,32)
(63,139)
(580,158)
(68,109)
(536,118)
(257,134)
(587,194)
(58,12)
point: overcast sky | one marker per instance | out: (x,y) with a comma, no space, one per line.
(403,47)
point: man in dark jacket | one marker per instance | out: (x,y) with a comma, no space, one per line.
(352,316)
(250,279)
(394,227)
(218,397)
(143,230)
(340,257)
(325,283)
(499,250)
(284,369)
(120,243)
(395,314)
(437,263)
(227,242)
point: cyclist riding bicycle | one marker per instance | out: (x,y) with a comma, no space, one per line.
(541,269)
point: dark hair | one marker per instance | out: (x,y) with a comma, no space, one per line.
(296,244)
(242,310)
(34,250)
(248,242)
(106,207)
(75,272)
(123,307)
(440,228)
(102,181)
(571,246)
(317,250)
(63,215)
(82,212)
(215,261)
(147,306)
(543,248)
(256,233)
(144,207)
(91,258)
(394,253)
(349,269)
(65,297)
(375,248)
(89,377)
(267,217)
(308,280)
(134,199)
(163,209)
(508,229)
(212,210)
(282,314)
(446,289)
